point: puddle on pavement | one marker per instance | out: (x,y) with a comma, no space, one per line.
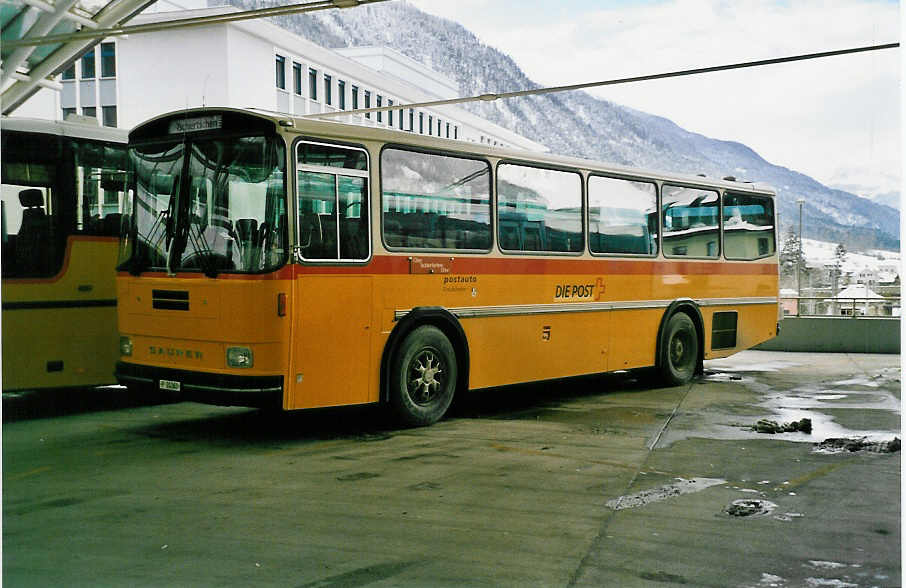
(750,507)
(678,488)
(817,402)
(849,445)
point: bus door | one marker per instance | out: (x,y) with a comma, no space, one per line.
(331,362)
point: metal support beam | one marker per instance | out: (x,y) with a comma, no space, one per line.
(111,15)
(42,26)
(42,83)
(70,15)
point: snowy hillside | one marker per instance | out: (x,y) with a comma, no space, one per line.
(578,124)
(821,253)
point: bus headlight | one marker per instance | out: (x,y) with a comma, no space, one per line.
(240,357)
(126,346)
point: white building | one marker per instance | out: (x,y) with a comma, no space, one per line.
(257,64)
(860,300)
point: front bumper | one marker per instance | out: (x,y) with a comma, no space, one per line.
(207,388)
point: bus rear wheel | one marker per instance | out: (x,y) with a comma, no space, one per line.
(679,354)
(423,377)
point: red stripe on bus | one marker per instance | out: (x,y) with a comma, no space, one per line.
(522,266)
(400,265)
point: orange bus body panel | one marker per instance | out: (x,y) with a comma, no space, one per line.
(72,321)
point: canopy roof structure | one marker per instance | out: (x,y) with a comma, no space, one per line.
(24,67)
(40,38)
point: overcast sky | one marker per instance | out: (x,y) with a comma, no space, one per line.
(827,117)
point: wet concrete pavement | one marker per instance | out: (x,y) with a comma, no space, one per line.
(596,481)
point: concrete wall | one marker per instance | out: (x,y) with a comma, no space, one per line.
(837,334)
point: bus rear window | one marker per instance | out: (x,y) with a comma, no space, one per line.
(748,226)
(433,201)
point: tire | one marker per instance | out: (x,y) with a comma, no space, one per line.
(423,377)
(679,354)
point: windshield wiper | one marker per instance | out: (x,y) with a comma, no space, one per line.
(207,259)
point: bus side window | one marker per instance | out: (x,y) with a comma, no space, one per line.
(624,214)
(333,202)
(33,245)
(33,242)
(691,221)
(748,225)
(101,184)
(545,205)
(435,201)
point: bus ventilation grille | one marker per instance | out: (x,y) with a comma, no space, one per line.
(723,330)
(170,299)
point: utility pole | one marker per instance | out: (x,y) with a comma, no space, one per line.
(801,201)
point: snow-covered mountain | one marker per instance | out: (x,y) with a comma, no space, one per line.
(878,186)
(579,124)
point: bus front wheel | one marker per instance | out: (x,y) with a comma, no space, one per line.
(424,377)
(680,350)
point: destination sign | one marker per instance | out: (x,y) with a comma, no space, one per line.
(194,125)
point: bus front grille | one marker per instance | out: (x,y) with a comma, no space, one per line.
(170,299)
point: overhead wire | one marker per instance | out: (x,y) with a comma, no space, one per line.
(490,97)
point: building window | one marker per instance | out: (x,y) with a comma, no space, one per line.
(456,132)
(411,120)
(328,90)
(389,113)
(297,78)
(108,60)
(448,130)
(90,111)
(401,118)
(281,72)
(341,94)
(380,99)
(355,97)
(88,65)
(430,125)
(421,123)
(69,72)
(367,103)
(67,112)
(109,115)
(312,83)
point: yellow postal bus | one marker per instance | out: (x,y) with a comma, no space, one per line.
(292,263)
(62,193)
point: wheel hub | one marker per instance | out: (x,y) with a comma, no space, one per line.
(426,366)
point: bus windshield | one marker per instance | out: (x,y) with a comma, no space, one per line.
(214,205)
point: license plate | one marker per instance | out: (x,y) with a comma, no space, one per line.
(169,385)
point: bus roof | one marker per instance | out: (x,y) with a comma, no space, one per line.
(76,129)
(354,132)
